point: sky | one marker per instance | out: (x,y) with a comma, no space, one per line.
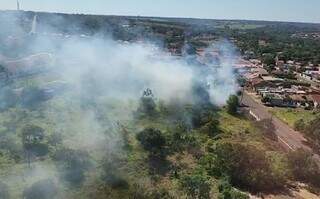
(270,10)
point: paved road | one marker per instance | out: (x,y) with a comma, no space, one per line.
(288,137)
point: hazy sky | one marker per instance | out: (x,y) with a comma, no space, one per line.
(279,10)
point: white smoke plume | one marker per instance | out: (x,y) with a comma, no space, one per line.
(97,69)
(124,70)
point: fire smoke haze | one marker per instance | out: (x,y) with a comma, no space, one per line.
(123,70)
(98,69)
(113,74)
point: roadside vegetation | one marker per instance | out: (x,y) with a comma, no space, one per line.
(293,116)
(165,151)
(304,121)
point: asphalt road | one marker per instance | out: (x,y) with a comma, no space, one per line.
(288,137)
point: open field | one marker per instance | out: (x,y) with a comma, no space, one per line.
(290,115)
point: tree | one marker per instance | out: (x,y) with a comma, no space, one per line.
(32,140)
(268,59)
(197,186)
(177,137)
(224,188)
(265,99)
(299,125)
(201,115)
(152,140)
(147,107)
(233,104)
(72,164)
(44,189)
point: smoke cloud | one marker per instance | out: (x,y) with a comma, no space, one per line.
(97,82)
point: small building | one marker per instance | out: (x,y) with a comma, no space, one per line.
(302,100)
(260,71)
(262,43)
(278,100)
(270,78)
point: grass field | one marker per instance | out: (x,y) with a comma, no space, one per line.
(232,124)
(290,115)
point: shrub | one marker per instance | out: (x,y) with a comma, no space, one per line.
(180,138)
(32,140)
(211,128)
(111,173)
(304,167)
(147,107)
(233,104)
(313,133)
(299,125)
(226,191)
(196,186)
(246,165)
(152,140)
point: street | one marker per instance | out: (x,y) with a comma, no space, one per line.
(289,138)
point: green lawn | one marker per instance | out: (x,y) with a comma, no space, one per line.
(290,115)
(231,124)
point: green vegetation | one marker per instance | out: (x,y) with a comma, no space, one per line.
(233,124)
(233,104)
(147,107)
(246,165)
(72,165)
(159,155)
(278,38)
(292,116)
(304,167)
(312,133)
(226,191)
(152,140)
(196,186)
(92,146)
(305,121)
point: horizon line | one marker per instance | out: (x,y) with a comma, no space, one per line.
(165,17)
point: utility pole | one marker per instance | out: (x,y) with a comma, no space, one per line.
(242,93)
(18,5)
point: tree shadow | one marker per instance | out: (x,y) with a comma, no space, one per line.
(158,165)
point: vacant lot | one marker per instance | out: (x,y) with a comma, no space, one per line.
(290,115)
